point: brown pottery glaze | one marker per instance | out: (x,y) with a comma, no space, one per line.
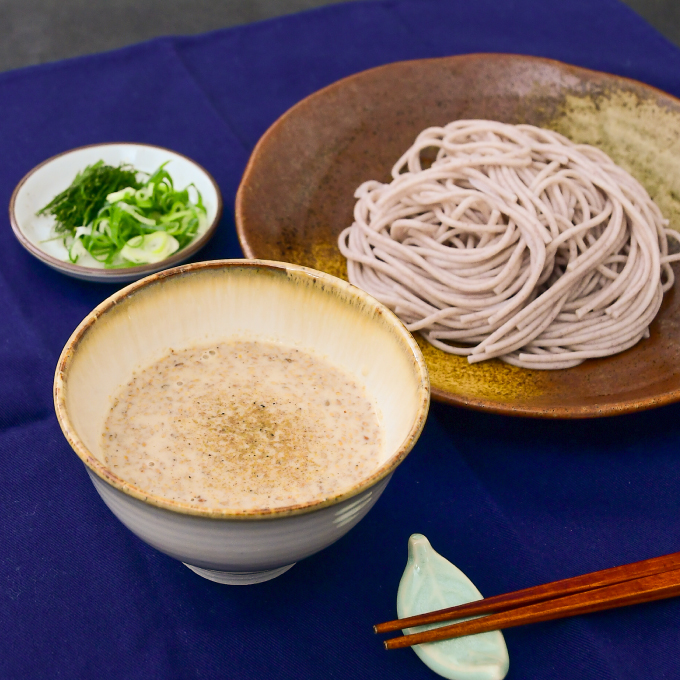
(297,195)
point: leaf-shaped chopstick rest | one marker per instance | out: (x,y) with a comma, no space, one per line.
(431,582)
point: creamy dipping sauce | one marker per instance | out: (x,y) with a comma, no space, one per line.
(242,425)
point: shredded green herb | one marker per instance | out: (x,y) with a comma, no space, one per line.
(121,221)
(79,204)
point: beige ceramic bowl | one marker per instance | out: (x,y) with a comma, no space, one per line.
(213,301)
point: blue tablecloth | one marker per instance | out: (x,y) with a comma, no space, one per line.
(511,502)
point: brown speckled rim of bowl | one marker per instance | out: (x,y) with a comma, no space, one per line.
(114,274)
(336,285)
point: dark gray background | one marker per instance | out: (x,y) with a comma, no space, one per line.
(36,31)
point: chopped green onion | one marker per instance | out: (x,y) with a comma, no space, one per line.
(121,221)
(121,195)
(150,248)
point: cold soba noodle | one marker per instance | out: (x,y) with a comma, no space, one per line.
(516,243)
(243,425)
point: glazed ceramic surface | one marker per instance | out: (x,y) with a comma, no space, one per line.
(430,582)
(54,175)
(238,299)
(232,546)
(297,195)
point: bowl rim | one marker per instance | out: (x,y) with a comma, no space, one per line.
(103,472)
(116,274)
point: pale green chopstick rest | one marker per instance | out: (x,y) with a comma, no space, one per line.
(431,582)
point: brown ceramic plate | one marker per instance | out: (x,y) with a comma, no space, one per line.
(297,195)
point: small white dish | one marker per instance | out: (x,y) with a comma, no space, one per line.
(55,174)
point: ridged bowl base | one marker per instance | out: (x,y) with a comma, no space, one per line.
(239,578)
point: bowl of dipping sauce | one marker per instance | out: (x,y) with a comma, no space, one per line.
(241,415)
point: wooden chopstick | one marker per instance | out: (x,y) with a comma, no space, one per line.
(636,591)
(547,591)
